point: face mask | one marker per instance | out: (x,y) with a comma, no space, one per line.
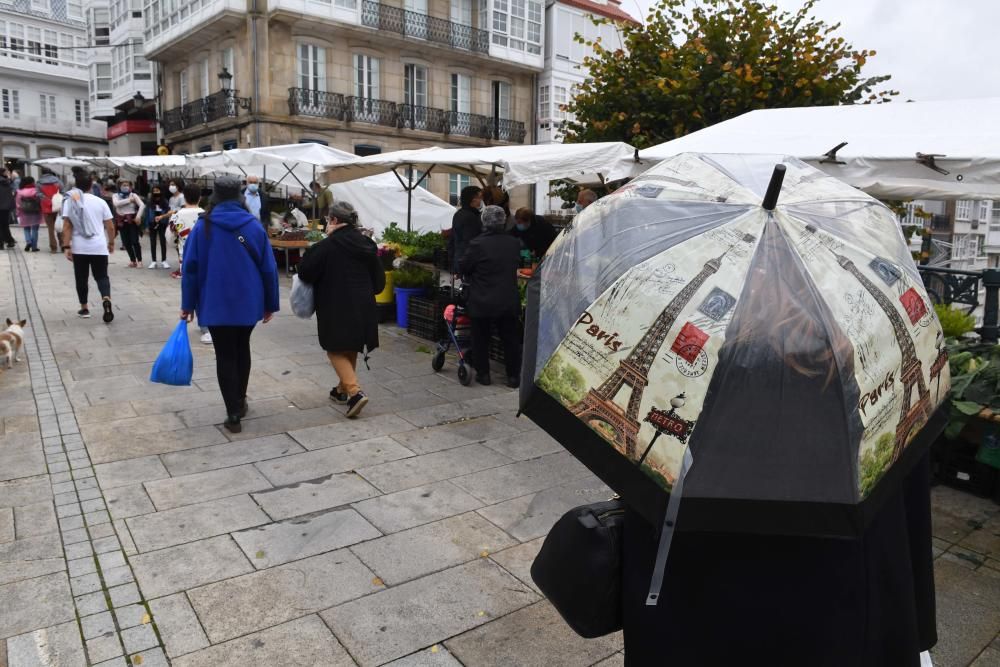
(125,191)
(173,189)
(521,227)
(578,208)
(252,188)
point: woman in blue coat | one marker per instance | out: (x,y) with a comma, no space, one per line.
(230,280)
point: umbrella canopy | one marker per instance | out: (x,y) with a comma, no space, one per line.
(519,165)
(792,353)
(381,200)
(930,150)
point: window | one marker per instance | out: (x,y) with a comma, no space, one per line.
(963,210)
(40,5)
(74,9)
(501,100)
(47,108)
(229,144)
(456,182)
(35,44)
(544,110)
(518,24)
(10,103)
(362,150)
(365,77)
(995,219)
(83,113)
(560,100)
(17,40)
(100,27)
(182,86)
(415,85)
(461,93)
(415,176)
(312,67)
(100,81)
(984,211)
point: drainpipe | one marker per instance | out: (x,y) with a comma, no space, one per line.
(534,132)
(256,72)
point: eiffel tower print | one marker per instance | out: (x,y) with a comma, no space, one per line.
(599,404)
(913,414)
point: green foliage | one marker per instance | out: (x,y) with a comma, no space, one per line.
(954,322)
(411,277)
(975,382)
(697,62)
(562,381)
(414,245)
(874,462)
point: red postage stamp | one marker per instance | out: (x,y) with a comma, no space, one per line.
(689,342)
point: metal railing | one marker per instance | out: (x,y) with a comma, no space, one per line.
(421,26)
(223,104)
(303,102)
(951,286)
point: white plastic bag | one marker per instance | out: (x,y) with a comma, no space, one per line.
(301,298)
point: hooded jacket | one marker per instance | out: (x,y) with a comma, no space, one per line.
(346,274)
(27,219)
(225,282)
(6,194)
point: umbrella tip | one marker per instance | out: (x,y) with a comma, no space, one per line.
(774,187)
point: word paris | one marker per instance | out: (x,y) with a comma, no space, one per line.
(872,397)
(610,341)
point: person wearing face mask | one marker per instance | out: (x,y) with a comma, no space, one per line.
(128,210)
(465,225)
(161,221)
(256,201)
(584,199)
(534,233)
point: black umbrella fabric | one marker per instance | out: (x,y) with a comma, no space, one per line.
(790,353)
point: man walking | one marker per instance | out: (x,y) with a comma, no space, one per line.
(50,185)
(88,239)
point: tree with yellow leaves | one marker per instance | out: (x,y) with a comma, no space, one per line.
(690,67)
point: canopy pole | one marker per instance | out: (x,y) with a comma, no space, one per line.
(774,187)
(409,199)
(315,197)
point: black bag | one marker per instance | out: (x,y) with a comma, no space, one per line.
(579,568)
(31,204)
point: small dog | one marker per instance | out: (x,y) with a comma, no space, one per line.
(11,341)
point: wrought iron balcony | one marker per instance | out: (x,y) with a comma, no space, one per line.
(351,109)
(223,104)
(421,26)
(961,288)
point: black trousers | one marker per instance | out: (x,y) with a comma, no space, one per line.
(5,235)
(232,364)
(158,231)
(98,266)
(130,239)
(506,326)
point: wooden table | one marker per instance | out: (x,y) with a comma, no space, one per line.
(285,246)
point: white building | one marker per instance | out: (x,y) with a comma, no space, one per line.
(976,235)
(563,68)
(45,107)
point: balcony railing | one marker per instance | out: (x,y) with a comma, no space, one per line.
(223,104)
(421,26)
(950,286)
(303,102)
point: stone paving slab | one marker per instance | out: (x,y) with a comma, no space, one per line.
(534,636)
(130,471)
(448,436)
(230,454)
(533,515)
(194,522)
(432,547)
(518,479)
(400,620)
(331,460)
(304,642)
(186,566)
(178,625)
(6,524)
(25,491)
(405,509)
(203,486)
(128,501)
(30,604)
(252,602)
(314,495)
(517,560)
(58,646)
(428,468)
(305,536)
(435,656)
(122,445)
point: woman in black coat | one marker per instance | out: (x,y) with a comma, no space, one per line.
(490,269)
(465,225)
(346,274)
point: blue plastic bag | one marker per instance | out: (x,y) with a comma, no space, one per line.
(175,365)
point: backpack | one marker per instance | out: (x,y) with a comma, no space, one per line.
(31,204)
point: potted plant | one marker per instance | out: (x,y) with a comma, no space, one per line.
(407,282)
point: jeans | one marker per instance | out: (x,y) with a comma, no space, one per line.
(232,364)
(31,236)
(98,266)
(345,365)
(130,239)
(507,328)
(158,231)
(5,235)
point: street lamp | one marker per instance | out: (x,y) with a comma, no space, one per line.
(226,79)
(138,100)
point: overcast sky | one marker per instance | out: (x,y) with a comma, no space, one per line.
(934,49)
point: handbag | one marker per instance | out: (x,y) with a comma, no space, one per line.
(175,363)
(579,568)
(302,298)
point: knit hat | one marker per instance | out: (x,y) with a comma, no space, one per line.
(226,188)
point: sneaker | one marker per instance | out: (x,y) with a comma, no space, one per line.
(11,245)
(339,396)
(484,379)
(355,404)
(175,274)
(35,249)
(108,313)
(164,265)
(84,313)
(233,425)
(513,382)
(27,248)
(152,265)
(206,338)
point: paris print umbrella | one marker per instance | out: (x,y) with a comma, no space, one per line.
(783,359)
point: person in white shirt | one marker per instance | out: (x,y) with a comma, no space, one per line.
(88,240)
(182,223)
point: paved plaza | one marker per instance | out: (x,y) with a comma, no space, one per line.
(135,530)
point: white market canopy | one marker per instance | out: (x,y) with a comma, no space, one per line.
(902,150)
(517,165)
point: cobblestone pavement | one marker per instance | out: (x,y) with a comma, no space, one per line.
(133,530)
